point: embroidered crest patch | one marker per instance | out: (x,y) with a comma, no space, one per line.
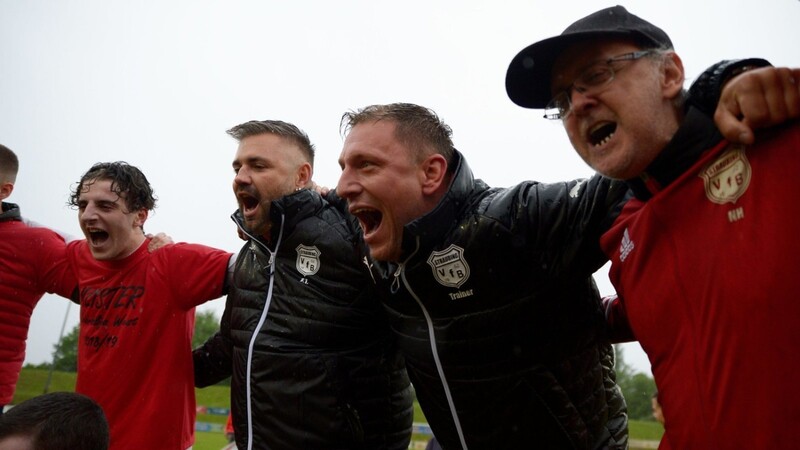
(727,177)
(449,266)
(307,260)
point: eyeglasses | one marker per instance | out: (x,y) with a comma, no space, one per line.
(588,82)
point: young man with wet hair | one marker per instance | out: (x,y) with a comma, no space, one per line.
(137,310)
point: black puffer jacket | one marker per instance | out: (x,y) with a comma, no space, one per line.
(499,319)
(313,360)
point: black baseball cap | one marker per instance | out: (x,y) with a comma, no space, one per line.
(528,76)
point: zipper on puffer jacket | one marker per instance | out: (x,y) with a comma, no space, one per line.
(261,321)
(400,274)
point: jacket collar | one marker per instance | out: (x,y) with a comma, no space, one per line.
(429,228)
(10,212)
(696,134)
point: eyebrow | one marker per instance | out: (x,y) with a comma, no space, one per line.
(83,202)
(250,160)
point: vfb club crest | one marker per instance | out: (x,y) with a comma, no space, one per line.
(449,266)
(307,260)
(728,176)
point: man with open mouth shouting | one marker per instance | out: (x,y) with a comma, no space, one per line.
(137,311)
(708,242)
(312,359)
(489,291)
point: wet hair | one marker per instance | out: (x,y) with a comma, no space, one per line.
(58,421)
(417,127)
(277,127)
(127,181)
(9,165)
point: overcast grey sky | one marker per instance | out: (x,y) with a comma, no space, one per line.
(157,83)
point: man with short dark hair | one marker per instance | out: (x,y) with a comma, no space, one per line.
(32,262)
(705,253)
(55,421)
(489,291)
(312,359)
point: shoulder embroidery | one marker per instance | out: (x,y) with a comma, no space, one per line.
(449,266)
(726,178)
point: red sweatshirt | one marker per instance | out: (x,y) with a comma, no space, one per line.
(707,274)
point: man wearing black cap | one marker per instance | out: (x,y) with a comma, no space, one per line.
(708,242)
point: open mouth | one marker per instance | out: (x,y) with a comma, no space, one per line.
(369,219)
(602,134)
(97,236)
(248,203)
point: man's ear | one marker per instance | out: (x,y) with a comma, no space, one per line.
(5,190)
(304,174)
(432,173)
(674,76)
(141,218)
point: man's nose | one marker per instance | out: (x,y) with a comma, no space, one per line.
(89,212)
(242,177)
(580,101)
(346,187)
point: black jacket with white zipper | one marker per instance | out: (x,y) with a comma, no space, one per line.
(499,319)
(313,362)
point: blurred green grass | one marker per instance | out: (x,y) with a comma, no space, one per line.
(32,381)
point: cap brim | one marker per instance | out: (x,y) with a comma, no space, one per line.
(528,75)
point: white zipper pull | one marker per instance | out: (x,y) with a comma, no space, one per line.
(396,282)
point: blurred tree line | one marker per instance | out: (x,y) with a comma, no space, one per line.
(637,387)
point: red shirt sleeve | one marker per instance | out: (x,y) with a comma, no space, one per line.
(56,274)
(196,272)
